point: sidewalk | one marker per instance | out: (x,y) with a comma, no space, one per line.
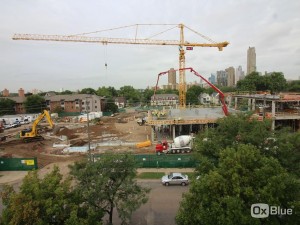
(12,177)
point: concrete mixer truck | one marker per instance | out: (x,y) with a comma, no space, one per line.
(181,144)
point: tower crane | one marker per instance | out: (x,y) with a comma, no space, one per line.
(136,41)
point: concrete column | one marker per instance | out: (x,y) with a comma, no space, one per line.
(249,104)
(152,133)
(235,102)
(229,101)
(273,124)
(173,130)
(253,104)
(273,108)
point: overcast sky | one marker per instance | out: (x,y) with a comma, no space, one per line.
(271,26)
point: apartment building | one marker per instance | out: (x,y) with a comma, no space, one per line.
(75,102)
(164,100)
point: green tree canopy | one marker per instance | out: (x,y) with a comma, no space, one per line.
(193,93)
(293,86)
(7,106)
(242,162)
(110,106)
(243,129)
(276,82)
(147,94)
(132,95)
(39,201)
(34,104)
(107,91)
(252,82)
(243,177)
(107,184)
(167,91)
(88,91)
(273,82)
(66,92)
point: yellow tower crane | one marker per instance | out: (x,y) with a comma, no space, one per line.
(136,41)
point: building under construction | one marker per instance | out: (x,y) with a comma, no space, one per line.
(168,124)
(283,110)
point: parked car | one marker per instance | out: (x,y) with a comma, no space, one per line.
(16,124)
(7,126)
(25,121)
(175,178)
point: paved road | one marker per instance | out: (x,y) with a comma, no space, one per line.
(161,207)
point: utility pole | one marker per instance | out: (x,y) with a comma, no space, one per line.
(88,127)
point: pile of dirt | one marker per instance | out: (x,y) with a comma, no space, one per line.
(66,132)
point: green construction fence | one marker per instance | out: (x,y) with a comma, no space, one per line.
(18,164)
(161,161)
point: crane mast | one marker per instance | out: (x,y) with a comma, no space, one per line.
(182,81)
(181,44)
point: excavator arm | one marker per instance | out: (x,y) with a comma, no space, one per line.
(32,134)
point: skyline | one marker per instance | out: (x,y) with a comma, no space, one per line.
(273,28)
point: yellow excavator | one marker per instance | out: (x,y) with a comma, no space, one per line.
(31,134)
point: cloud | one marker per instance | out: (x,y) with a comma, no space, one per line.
(272,27)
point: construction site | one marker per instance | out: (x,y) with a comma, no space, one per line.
(166,130)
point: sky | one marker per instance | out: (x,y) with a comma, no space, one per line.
(271,26)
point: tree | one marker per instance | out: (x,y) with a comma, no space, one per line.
(147,94)
(168,91)
(88,91)
(251,82)
(273,82)
(225,89)
(293,86)
(66,92)
(109,183)
(39,201)
(276,82)
(243,129)
(243,177)
(242,162)
(132,96)
(193,93)
(110,106)
(107,91)
(34,104)
(7,106)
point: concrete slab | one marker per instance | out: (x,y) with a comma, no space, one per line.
(196,113)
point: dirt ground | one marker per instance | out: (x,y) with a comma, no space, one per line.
(119,129)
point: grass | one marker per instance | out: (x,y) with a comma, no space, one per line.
(190,174)
(150,175)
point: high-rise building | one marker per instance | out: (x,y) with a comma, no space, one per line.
(251,60)
(230,72)
(212,79)
(239,74)
(221,78)
(172,77)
